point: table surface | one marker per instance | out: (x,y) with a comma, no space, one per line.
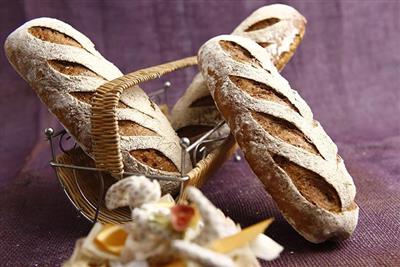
(347,69)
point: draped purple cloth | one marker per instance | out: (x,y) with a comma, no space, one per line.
(347,69)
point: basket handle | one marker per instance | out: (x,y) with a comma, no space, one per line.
(104,123)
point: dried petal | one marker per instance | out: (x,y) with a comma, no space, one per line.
(181,216)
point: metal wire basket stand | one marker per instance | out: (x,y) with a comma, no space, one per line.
(197,150)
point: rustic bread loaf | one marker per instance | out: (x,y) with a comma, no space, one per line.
(278,28)
(64,69)
(286,148)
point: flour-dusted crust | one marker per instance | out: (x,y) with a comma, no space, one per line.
(278,28)
(287,149)
(64,69)
(286,28)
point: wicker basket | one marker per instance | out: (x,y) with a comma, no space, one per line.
(82,188)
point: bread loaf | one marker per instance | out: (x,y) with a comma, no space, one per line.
(286,148)
(278,28)
(64,69)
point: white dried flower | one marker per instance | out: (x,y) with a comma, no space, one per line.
(201,255)
(216,225)
(149,233)
(129,264)
(142,247)
(132,191)
(153,220)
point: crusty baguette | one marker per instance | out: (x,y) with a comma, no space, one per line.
(278,28)
(286,148)
(64,69)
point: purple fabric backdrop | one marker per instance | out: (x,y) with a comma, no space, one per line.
(347,68)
